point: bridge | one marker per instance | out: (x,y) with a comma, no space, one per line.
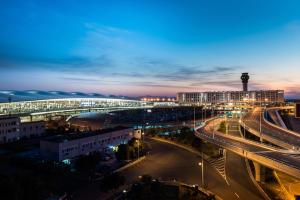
(286,161)
(255,122)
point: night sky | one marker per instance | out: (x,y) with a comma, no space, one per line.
(157,47)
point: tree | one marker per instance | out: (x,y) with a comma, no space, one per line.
(125,152)
(222,127)
(88,163)
(112,181)
(187,135)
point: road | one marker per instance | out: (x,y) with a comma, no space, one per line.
(275,117)
(236,167)
(168,162)
(252,120)
(284,161)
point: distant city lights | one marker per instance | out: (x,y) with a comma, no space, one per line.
(157,99)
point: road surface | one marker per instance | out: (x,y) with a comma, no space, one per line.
(283,136)
(278,159)
(168,162)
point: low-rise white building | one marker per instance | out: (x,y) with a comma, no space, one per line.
(11,128)
(29,129)
(62,147)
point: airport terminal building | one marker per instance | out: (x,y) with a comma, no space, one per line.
(232,97)
(235,97)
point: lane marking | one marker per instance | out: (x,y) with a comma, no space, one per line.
(237,195)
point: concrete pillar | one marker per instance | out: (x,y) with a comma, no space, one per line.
(259,172)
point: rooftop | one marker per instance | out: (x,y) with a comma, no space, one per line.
(4,117)
(32,95)
(75,136)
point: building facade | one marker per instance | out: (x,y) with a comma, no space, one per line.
(64,147)
(235,97)
(30,129)
(11,128)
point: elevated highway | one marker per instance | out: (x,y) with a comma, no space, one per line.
(273,114)
(272,157)
(270,132)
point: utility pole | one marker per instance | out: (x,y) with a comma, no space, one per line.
(260,113)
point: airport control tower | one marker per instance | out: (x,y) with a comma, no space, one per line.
(245,77)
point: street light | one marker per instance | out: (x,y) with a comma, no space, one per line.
(143,136)
(260,118)
(194,118)
(201,164)
(260,134)
(213,113)
(226,125)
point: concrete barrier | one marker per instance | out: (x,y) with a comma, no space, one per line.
(266,137)
(280,128)
(130,164)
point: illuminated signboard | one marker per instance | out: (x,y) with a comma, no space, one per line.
(297,110)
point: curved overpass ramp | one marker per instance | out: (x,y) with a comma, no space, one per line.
(285,161)
(274,134)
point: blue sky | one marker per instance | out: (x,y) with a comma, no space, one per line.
(149,47)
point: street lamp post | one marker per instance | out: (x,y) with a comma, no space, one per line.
(202,120)
(226,125)
(213,115)
(143,136)
(260,134)
(261,114)
(194,117)
(201,164)
(244,130)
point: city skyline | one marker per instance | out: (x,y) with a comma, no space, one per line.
(138,48)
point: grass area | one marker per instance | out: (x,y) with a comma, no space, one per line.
(186,136)
(222,127)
